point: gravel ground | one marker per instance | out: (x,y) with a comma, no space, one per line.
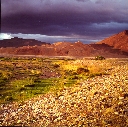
(101,101)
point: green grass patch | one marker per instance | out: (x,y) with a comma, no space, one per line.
(24,78)
(20,90)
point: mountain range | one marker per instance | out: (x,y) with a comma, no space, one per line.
(114,46)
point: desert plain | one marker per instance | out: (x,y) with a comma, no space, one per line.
(63,91)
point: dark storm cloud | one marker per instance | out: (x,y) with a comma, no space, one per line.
(90,18)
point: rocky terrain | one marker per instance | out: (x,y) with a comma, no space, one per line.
(99,101)
(118,41)
(115,46)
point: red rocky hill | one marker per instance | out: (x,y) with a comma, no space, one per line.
(118,41)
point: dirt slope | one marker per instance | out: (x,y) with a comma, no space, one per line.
(118,41)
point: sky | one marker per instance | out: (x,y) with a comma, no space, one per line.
(63,20)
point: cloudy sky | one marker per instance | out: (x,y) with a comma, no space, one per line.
(63,20)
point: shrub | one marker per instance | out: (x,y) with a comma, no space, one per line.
(8,98)
(99,58)
(82,70)
(56,66)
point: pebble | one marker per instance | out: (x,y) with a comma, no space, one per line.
(120,98)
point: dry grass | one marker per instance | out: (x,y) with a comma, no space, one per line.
(98,101)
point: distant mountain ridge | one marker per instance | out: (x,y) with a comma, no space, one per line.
(19,42)
(109,47)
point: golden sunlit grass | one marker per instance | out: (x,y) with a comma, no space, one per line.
(23,78)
